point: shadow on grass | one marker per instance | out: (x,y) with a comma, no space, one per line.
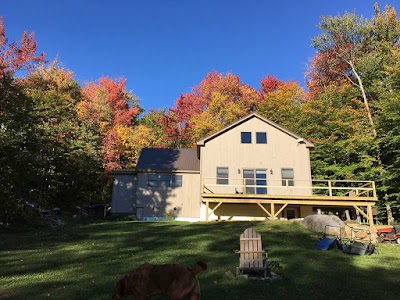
(85,261)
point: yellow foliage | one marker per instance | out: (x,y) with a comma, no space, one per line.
(131,140)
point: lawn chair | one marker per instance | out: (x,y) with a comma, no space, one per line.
(251,254)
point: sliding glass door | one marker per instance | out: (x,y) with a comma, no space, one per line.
(255,181)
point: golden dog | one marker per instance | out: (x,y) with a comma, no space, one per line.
(149,280)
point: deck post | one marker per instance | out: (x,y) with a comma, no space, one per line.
(374,189)
(372,229)
(273,211)
(370,216)
(330,187)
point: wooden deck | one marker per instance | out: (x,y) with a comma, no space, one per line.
(361,195)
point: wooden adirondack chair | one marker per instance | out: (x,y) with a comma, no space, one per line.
(251,254)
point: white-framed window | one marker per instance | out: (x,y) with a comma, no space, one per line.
(164,180)
(287,177)
(222,175)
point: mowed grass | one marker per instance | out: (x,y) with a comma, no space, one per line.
(83,261)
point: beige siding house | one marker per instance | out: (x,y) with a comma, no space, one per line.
(251,169)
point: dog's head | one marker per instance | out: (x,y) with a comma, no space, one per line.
(123,288)
(119,290)
(132,283)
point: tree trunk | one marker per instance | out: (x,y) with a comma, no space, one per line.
(365,99)
(390,218)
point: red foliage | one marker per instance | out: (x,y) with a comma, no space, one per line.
(270,84)
(107,100)
(106,105)
(227,85)
(177,122)
(111,152)
(329,67)
(17,56)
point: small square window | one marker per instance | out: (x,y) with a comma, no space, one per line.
(261,137)
(246,137)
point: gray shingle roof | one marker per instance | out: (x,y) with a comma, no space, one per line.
(162,159)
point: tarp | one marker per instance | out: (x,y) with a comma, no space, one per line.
(327,244)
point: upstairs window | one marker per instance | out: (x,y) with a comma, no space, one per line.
(261,137)
(246,137)
(287,177)
(222,175)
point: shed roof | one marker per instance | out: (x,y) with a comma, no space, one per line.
(166,159)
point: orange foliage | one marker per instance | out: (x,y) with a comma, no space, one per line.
(106,105)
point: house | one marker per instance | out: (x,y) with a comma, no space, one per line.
(253,168)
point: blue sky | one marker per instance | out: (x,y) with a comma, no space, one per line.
(165,47)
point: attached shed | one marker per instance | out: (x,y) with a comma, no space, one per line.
(166,185)
(124,192)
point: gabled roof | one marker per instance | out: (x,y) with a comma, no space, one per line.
(165,159)
(245,119)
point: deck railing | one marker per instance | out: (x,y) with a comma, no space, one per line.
(330,188)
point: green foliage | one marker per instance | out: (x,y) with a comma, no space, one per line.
(363,53)
(19,149)
(344,144)
(71,167)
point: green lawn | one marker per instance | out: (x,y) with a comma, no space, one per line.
(84,261)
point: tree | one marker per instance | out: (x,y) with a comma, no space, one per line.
(335,122)
(18,135)
(17,56)
(71,170)
(281,101)
(356,50)
(107,106)
(221,98)
(153,120)
(341,45)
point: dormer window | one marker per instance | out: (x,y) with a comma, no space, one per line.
(246,137)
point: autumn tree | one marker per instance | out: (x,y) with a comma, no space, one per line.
(352,49)
(71,170)
(280,101)
(18,136)
(356,51)
(153,121)
(17,56)
(109,109)
(218,99)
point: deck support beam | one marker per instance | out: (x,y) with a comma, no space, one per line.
(273,211)
(281,209)
(264,209)
(369,216)
(208,214)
